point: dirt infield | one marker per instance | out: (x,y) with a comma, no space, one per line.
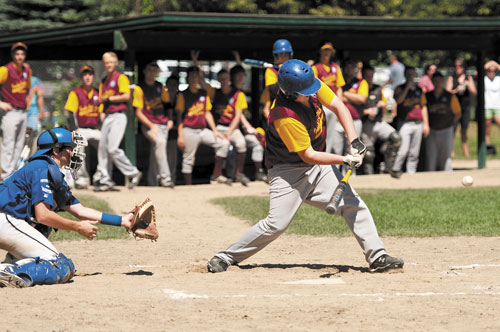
(298,283)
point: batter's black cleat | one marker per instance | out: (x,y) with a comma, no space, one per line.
(216,265)
(8,279)
(385,263)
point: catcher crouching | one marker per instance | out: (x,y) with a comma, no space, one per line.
(29,201)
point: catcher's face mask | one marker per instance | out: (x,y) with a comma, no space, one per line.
(77,155)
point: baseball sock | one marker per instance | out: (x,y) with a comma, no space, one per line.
(219,162)
(188,179)
(240,162)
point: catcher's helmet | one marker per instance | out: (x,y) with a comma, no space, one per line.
(59,138)
(297,77)
(282,46)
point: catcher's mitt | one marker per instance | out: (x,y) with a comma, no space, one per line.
(144,221)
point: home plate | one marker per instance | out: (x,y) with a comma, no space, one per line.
(322,281)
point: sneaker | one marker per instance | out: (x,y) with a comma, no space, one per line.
(385,263)
(134,180)
(240,177)
(105,187)
(81,186)
(260,175)
(220,179)
(166,183)
(8,279)
(216,265)
(396,174)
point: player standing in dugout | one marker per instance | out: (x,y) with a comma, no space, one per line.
(114,93)
(83,106)
(150,98)
(300,171)
(15,78)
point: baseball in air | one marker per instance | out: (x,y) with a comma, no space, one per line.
(467,181)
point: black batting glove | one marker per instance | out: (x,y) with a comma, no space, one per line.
(358,148)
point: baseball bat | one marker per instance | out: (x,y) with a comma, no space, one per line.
(332,207)
(258,63)
(25,153)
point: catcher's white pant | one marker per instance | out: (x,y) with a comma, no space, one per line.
(112,131)
(411,138)
(193,138)
(13,129)
(21,240)
(290,186)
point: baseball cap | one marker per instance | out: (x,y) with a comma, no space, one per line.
(19,46)
(326,46)
(86,69)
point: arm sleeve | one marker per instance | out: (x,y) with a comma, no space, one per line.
(293,133)
(179,106)
(101,106)
(3,74)
(315,71)
(123,84)
(325,94)
(28,82)
(363,88)
(40,188)
(138,101)
(241,102)
(382,97)
(270,77)
(72,102)
(208,104)
(264,97)
(340,78)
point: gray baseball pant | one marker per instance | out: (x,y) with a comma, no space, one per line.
(438,148)
(290,186)
(336,140)
(93,137)
(372,131)
(411,138)
(257,148)
(158,163)
(193,138)
(112,131)
(14,129)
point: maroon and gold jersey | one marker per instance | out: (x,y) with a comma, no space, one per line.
(293,127)
(114,85)
(152,99)
(227,104)
(193,106)
(359,87)
(330,75)
(411,107)
(15,84)
(442,110)
(85,106)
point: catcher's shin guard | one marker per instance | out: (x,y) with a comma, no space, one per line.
(37,271)
(368,161)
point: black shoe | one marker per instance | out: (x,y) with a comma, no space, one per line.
(8,279)
(240,177)
(105,187)
(385,263)
(134,180)
(261,175)
(396,174)
(216,265)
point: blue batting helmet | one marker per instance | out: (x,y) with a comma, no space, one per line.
(53,138)
(297,77)
(282,46)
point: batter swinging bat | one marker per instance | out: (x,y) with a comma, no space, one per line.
(258,63)
(332,207)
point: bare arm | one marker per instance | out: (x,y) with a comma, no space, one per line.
(471,85)
(122,98)
(235,122)
(211,124)
(492,63)
(86,213)
(425,120)
(49,218)
(355,98)
(314,157)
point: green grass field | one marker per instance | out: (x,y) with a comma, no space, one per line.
(408,213)
(472,135)
(105,232)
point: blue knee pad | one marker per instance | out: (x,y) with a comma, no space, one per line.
(45,272)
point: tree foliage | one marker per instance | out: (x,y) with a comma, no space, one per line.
(35,14)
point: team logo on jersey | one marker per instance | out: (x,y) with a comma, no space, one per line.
(202,99)
(418,93)
(231,100)
(112,84)
(25,75)
(158,90)
(334,69)
(355,86)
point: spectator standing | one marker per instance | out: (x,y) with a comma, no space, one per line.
(114,94)
(444,110)
(15,78)
(425,82)
(397,72)
(83,105)
(412,121)
(491,96)
(150,98)
(172,150)
(463,86)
